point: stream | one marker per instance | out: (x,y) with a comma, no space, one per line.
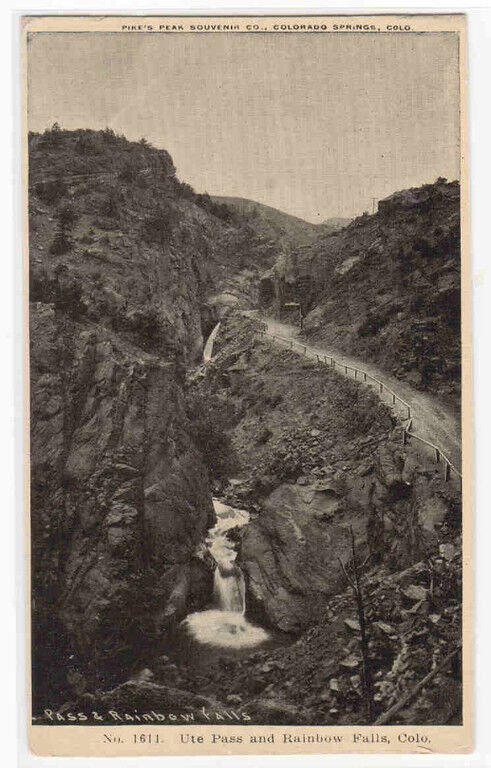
(224,624)
(208,349)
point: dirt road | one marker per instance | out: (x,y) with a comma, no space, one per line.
(431,419)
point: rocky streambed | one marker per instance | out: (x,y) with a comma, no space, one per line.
(275,637)
(322,461)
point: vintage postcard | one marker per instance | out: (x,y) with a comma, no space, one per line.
(249,419)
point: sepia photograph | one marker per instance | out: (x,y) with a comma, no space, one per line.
(246,358)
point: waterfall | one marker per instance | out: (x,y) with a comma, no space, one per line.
(229,591)
(224,624)
(208,350)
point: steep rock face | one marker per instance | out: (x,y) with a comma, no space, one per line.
(128,268)
(290,556)
(120,498)
(386,287)
(117,239)
(321,456)
(292,551)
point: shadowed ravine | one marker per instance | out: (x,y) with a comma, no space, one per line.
(224,624)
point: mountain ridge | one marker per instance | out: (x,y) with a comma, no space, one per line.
(290,230)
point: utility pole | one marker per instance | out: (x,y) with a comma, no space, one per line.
(374,200)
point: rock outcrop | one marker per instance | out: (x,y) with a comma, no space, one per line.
(321,457)
(129,270)
(120,498)
(290,555)
(386,287)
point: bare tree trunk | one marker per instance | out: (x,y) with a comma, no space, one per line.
(367,672)
(390,714)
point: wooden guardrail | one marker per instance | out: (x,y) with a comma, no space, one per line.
(364,376)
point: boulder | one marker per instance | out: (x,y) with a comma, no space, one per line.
(289,555)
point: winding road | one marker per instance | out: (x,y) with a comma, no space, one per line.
(431,419)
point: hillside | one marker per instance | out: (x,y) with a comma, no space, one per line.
(386,287)
(129,270)
(333,225)
(145,255)
(320,455)
(134,441)
(287,230)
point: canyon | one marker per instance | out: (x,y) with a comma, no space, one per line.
(196,507)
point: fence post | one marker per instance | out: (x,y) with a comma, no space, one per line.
(345,369)
(356,373)
(333,362)
(381,387)
(408,412)
(447,472)
(305,350)
(437,455)
(364,376)
(393,399)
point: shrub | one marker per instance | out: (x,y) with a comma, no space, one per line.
(67,217)
(50,192)
(186,191)
(52,136)
(159,226)
(374,323)
(211,416)
(88,144)
(146,325)
(109,136)
(63,242)
(41,287)
(68,299)
(129,171)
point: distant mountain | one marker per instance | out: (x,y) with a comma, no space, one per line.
(334,224)
(272,223)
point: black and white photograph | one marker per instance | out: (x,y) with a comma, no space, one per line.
(245,364)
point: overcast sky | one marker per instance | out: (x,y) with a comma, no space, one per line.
(315,125)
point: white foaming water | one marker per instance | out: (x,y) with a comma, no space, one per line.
(208,350)
(225,625)
(229,590)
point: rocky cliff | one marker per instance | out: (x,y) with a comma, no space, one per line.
(129,270)
(386,287)
(120,500)
(320,454)
(326,478)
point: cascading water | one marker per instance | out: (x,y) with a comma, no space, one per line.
(229,591)
(208,350)
(224,625)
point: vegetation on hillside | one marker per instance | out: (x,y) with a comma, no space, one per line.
(117,239)
(387,287)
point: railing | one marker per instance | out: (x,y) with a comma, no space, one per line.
(382,387)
